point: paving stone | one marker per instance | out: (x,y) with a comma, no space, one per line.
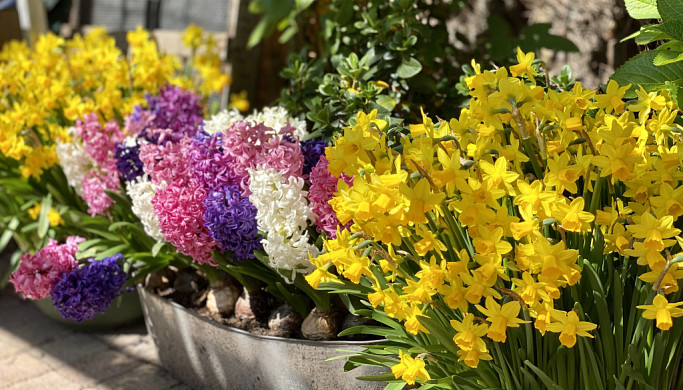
(145,351)
(7,349)
(180,386)
(90,370)
(120,338)
(20,367)
(50,380)
(147,376)
(26,326)
(68,349)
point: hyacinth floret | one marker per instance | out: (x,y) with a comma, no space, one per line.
(177,109)
(211,166)
(90,289)
(37,273)
(128,162)
(322,189)
(180,208)
(94,185)
(141,193)
(283,214)
(138,121)
(282,154)
(99,141)
(168,161)
(231,220)
(312,150)
(278,118)
(254,144)
(74,161)
(221,121)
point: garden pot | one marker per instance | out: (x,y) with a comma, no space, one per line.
(207,355)
(124,310)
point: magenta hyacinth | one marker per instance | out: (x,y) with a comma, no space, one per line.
(38,272)
(323,186)
(180,208)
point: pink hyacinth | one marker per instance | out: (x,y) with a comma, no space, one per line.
(323,186)
(168,161)
(95,182)
(243,141)
(284,155)
(256,145)
(137,121)
(179,207)
(38,273)
(99,141)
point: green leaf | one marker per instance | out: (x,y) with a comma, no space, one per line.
(549,383)
(111,251)
(673,28)
(667,57)
(409,68)
(368,329)
(9,231)
(642,9)
(670,9)
(640,70)
(676,92)
(157,247)
(43,220)
(13,264)
(395,386)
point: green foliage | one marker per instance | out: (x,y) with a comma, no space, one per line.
(642,9)
(394,57)
(663,67)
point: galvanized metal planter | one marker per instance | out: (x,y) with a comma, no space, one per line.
(208,355)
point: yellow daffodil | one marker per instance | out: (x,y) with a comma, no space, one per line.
(410,369)
(501,318)
(569,326)
(572,217)
(524,65)
(662,311)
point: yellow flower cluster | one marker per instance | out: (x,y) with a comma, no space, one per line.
(45,89)
(486,213)
(205,61)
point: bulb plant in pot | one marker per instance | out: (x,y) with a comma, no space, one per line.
(532,242)
(62,111)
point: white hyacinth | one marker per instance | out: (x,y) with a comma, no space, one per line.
(290,254)
(283,213)
(141,193)
(277,118)
(221,121)
(75,162)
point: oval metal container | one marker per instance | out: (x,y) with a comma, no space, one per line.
(207,355)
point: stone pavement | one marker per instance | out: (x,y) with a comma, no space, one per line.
(37,353)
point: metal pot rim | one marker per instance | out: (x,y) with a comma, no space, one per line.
(144,292)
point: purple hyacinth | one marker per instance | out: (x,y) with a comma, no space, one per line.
(312,150)
(231,220)
(90,289)
(210,163)
(176,109)
(128,161)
